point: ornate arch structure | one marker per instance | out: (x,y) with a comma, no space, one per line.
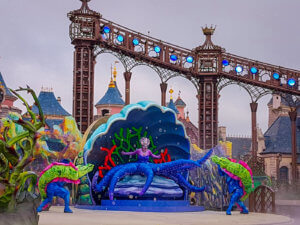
(209,67)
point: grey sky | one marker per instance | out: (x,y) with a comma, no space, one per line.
(35,48)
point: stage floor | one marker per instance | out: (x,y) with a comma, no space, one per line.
(99,217)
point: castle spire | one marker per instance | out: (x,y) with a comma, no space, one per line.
(171,92)
(115,73)
(111,83)
(187,116)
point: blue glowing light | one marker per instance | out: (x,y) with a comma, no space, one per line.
(276,76)
(173,57)
(189,59)
(291,82)
(106,29)
(225,62)
(157,49)
(135,41)
(253,70)
(239,69)
(120,38)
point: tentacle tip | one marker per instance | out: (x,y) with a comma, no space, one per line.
(111,196)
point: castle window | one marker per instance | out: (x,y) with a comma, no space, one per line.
(104,112)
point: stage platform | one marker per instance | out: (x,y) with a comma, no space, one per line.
(144,206)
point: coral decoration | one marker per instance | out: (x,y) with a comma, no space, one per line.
(16,152)
(165,157)
(107,159)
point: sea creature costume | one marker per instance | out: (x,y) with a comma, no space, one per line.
(239,180)
(53,178)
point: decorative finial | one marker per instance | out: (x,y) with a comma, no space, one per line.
(179,92)
(111,83)
(187,116)
(208,30)
(171,92)
(115,71)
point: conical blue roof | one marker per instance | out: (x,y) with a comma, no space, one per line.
(111,97)
(171,105)
(180,102)
(7,92)
(50,105)
(118,89)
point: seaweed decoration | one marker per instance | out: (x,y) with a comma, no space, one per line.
(12,162)
(130,141)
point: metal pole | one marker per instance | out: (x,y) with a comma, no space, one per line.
(163,88)
(127,76)
(253,106)
(293,117)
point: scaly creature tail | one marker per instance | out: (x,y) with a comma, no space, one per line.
(206,157)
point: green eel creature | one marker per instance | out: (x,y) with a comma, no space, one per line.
(239,171)
(52,180)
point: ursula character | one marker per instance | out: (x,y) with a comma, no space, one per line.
(143,153)
(239,181)
(174,170)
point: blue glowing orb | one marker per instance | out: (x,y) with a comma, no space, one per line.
(106,29)
(239,69)
(225,62)
(189,59)
(135,41)
(291,82)
(173,57)
(157,49)
(276,76)
(120,38)
(253,70)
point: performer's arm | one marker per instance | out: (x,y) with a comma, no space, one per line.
(129,153)
(155,156)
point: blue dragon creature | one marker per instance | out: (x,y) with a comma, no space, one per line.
(173,170)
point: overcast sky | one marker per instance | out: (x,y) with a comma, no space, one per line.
(35,47)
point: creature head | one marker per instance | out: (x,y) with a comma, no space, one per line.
(84,169)
(221,161)
(145,142)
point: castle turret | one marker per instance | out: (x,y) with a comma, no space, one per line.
(171,104)
(52,108)
(180,105)
(112,102)
(278,106)
(7,100)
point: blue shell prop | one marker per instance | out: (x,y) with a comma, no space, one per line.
(152,120)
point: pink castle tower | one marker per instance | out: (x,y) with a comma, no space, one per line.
(112,102)
(180,105)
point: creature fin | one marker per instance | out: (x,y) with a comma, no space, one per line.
(206,157)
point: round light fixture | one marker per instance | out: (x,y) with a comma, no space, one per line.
(189,59)
(157,49)
(225,62)
(120,38)
(238,69)
(135,41)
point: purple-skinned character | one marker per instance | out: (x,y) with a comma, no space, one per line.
(143,153)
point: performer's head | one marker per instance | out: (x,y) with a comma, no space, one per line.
(145,142)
